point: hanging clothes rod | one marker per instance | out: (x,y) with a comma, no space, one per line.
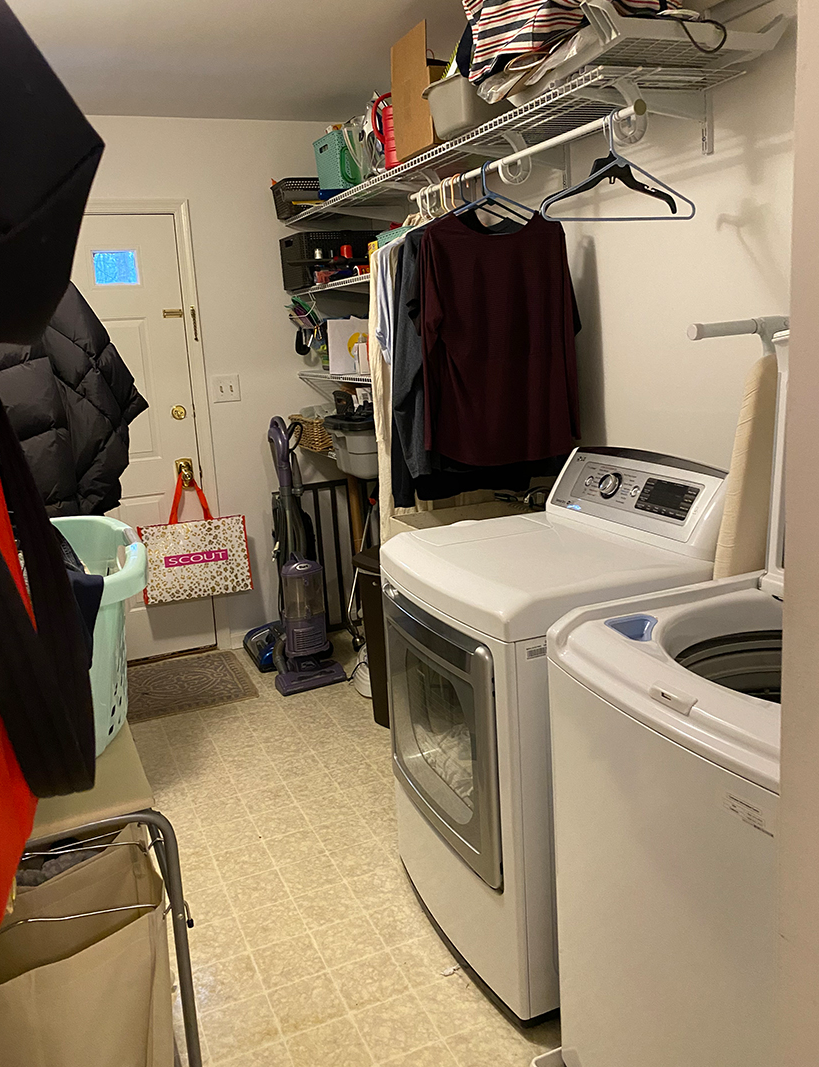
(638,108)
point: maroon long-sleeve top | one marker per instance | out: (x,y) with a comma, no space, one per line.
(498,323)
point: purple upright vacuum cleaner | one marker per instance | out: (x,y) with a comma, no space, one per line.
(297,645)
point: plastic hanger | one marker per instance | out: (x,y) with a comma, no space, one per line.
(490,199)
(617,168)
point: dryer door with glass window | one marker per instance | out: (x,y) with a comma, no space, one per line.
(442,712)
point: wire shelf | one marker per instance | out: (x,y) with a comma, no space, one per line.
(361,281)
(558,110)
(323,376)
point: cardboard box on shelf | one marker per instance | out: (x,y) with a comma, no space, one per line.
(412,73)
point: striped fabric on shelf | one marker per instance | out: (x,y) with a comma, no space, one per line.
(516,27)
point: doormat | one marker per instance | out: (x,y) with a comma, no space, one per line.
(186,683)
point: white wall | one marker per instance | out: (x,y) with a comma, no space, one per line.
(639,285)
(223,167)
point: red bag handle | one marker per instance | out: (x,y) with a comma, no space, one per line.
(177,497)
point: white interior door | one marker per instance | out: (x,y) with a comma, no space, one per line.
(127,268)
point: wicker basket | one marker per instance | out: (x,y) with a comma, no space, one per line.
(314,438)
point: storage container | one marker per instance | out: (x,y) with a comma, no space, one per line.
(98,542)
(337,167)
(388,236)
(289,189)
(354,445)
(343,339)
(298,253)
(314,437)
(456,107)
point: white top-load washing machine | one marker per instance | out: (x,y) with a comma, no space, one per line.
(665,723)
(467,609)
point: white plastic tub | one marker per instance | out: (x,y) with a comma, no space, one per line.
(356,452)
(456,107)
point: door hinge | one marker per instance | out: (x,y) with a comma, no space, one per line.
(195,325)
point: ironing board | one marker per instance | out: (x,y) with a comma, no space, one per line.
(122,795)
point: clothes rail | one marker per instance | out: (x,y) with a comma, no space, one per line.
(638,108)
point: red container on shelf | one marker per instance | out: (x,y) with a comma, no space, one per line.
(384,127)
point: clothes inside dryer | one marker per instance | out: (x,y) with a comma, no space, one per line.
(440,729)
(749,662)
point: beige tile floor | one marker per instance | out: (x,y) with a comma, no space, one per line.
(309,948)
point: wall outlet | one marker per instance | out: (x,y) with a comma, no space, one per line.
(225,388)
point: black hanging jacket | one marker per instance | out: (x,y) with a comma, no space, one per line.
(70,399)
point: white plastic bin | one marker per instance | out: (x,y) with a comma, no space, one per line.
(355,449)
(456,107)
(98,540)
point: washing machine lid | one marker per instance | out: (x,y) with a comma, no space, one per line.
(773,580)
(626,654)
(511,578)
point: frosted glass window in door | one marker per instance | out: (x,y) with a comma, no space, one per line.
(116,267)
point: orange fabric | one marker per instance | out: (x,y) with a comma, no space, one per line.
(17,803)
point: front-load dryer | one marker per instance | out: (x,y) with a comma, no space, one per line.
(467,609)
(665,721)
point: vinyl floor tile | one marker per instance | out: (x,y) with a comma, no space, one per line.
(306,1004)
(242,1027)
(335,1044)
(345,942)
(369,981)
(276,921)
(288,961)
(396,1027)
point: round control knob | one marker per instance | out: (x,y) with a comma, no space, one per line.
(609,484)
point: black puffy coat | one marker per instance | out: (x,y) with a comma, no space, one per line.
(70,399)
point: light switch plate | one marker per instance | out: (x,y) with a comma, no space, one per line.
(226,388)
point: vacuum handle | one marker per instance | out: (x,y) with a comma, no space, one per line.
(280,447)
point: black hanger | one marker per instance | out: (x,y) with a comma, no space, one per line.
(617,168)
(613,168)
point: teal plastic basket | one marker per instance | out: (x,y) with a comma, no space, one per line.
(337,167)
(112,549)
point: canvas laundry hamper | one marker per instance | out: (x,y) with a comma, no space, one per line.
(93,990)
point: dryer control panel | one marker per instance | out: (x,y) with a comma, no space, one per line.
(645,491)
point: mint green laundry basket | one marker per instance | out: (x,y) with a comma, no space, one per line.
(99,542)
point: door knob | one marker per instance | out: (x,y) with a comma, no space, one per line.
(185,468)
(179,412)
